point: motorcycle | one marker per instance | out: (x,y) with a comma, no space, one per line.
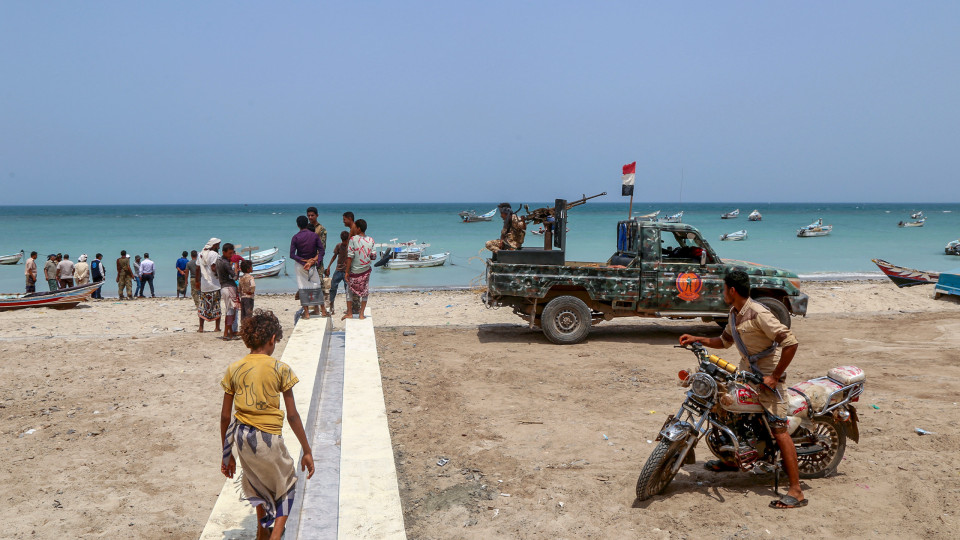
(725,411)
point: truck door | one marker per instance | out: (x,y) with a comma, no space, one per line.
(684,285)
(649,240)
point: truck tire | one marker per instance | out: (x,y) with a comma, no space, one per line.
(565,320)
(777,308)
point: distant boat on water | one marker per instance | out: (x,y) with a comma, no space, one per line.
(471,216)
(755,216)
(917,223)
(738,235)
(817,228)
(952,248)
(11,259)
(676,218)
(731,215)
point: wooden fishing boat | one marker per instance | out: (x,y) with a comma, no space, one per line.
(402,255)
(917,223)
(738,235)
(59,299)
(471,216)
(817,228)
(264,256)
(269,269)
(676,218)
(906,277)
(755,216)
(731,215)
(11,259)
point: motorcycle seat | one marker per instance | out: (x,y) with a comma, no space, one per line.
(847,375)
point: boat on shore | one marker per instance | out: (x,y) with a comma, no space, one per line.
(738,235)
(817,228)
(264,256)
(731,215)
(402,255)
(917,223)
(59,299)
(471,216)
(952,248)
(906,277)
(676,218)
(268,269)
(13,258)
(755,216)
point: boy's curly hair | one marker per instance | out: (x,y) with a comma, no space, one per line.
(257,329)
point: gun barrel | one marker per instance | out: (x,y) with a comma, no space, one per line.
(584,199)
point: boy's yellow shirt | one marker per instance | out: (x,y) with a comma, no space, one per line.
(257,382)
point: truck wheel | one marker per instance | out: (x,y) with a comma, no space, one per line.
(777,308)
(565,320)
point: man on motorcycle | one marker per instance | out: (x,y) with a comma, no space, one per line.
(757,333)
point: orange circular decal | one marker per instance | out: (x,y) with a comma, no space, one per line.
(689,286)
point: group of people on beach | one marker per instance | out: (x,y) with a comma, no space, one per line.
(60,272)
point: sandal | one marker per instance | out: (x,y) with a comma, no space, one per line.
(719,466)
(787,502)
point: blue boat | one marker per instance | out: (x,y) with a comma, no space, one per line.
(949,283)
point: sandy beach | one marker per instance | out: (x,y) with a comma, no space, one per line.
(109,420)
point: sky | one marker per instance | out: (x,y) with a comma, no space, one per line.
(257,102)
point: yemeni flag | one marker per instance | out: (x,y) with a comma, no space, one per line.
(629,175)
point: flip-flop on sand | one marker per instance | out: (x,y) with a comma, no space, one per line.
(787,502)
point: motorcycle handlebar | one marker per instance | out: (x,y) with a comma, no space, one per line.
(699,350)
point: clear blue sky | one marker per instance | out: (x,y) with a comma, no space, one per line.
(204,102)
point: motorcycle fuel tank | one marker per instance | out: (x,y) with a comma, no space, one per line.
(740,398)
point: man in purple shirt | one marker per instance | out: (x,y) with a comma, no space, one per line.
(307,250)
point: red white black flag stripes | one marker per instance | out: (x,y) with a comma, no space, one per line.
(629,175)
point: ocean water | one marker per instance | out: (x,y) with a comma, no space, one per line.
(861,232)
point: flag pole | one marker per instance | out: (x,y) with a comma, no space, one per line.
(630,213)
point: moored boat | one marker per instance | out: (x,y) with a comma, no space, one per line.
(471,216)
(817,228)
(401,255)
(652,216)
(731,215)
(917,215)
(269,269)
(13,258)
(738,235)
(917,223)
(906,277)
(952,248)
(755,216)
(264,256)
(59,299)
(676,218)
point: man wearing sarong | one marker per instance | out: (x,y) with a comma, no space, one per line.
(513,232)
(251,426)
(227,276)
(209,307)
(193,274)
(360,254)
(307,250)
(182,274)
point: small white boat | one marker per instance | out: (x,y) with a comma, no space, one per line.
(917,223)
(952,248)
(264,256)
(676,218)
(738,235)
(731,215)
(11,259)
(917,215)
(755,216)
(540,231)
(471,216)
(270,269)
(652,216)
(817,228)
(401,255)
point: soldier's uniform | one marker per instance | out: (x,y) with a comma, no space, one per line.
(759,329)
(514,237)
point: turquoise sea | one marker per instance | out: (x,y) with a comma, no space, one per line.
(861,232)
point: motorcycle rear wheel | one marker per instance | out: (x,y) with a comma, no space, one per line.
(656,474)
(831,438)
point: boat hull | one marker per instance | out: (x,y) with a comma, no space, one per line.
(438,259)
(11,259)
(906,277)
(59,299)
(271,269)
(265,256)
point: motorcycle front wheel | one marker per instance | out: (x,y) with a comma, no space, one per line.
(656,473)
(820,449)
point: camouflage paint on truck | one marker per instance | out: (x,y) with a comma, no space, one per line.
(658,270)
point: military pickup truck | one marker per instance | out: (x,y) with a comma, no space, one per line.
(657,270)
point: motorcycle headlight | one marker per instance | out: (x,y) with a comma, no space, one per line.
(702,386)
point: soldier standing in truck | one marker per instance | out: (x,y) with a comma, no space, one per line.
(513,232)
